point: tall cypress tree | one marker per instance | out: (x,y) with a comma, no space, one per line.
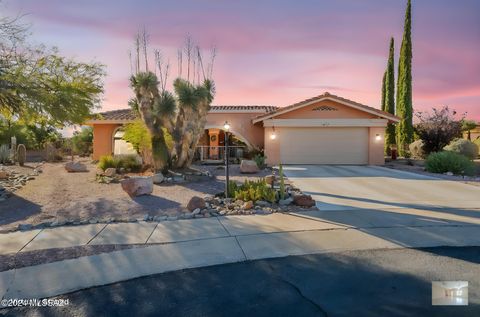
(383,90)
(404,86)
(390,97)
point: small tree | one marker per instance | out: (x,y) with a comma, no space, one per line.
(468,125)
(82,141)
(137,134)
(437,129)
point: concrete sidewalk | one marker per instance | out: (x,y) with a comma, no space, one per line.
(205,242)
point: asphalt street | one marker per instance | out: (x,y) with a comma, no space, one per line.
(356,283)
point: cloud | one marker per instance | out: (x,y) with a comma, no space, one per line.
(279,52)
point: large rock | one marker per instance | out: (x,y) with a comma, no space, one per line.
(270,179)
(196,202)
(247,205)
(110,172)
(4,175)
(74,167)
(303,200)
(158,178)
(285,202)
(137,186)
(248,167)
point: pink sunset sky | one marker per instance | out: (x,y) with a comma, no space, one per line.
(276,52)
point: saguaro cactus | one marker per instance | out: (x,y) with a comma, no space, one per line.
(21,154)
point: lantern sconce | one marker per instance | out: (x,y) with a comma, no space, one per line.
(378,137)
(273,136)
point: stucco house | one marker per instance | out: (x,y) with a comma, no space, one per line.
(325,129)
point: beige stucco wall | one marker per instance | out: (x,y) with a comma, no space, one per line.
(241,125)
(375,147)
(272,147)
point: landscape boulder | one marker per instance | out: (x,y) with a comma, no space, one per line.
(247,205)
(303,200)
(110,172)
(74,167)
(137,186)
(196,202)
(270,179)
(285,202)
(3,175)
(248,167)
(158,178)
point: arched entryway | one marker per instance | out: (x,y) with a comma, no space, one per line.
(212,144)
(119,145)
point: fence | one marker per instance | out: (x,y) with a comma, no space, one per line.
(206,152)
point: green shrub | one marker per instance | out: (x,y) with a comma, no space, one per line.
(255,190)
(129,162)
(82,141)
(462,146)
(106,161)
(260,160)
(477,142)
(416,149)
(443,162)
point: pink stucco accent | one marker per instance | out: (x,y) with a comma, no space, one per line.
(103,139)
(241,125)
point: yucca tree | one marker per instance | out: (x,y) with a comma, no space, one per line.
(157,110)
(193,105)
(184,117)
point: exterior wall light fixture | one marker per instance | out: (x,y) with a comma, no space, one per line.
(273,136)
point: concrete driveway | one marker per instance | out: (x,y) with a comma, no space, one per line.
(377,197)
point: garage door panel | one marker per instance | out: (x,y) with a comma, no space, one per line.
(324,145)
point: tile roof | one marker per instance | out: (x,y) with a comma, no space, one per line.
(122,114)
(128,114)
(325,95)
(255,108)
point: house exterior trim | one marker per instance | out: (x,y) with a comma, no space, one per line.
(340,101)
(325,123)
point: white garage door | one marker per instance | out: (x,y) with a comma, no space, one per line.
(324,145)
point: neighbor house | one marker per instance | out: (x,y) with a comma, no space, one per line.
(325,129)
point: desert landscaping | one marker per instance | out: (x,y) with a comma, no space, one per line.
(53,197)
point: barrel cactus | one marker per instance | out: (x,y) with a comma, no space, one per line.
(21,154)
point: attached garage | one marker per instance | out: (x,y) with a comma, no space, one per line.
(326,129)
(323,145)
